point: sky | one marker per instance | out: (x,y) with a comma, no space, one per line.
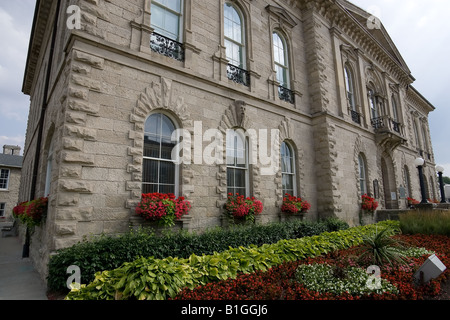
(418,28)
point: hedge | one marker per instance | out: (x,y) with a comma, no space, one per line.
(107,252)
(159,279)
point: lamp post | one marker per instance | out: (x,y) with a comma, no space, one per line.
(419,162)
(440,171)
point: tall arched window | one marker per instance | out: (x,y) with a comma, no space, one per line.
(48,174)
(281,60)
(234,36)
(362,174)
(425,139)
(288,174)
(234,41)
(373,104)
(237,162)
(350,87)
(160,173)
(394,109)
(416,134)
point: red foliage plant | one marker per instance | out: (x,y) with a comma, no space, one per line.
(240,207)
(279,282)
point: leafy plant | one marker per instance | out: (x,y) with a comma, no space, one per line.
(380,247)
(142,280)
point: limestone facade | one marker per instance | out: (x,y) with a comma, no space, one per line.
(93,88)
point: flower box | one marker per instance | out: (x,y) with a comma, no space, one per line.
(293,208)
(240,210)
(31,213)
(162,209)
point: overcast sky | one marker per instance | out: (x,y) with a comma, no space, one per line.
(418,28)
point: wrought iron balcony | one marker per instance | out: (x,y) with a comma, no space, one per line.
(238,75)
(167,47)
(389,133)
(356,117)
(286,94)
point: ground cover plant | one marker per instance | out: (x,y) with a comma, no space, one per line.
(151,278)
(108,252)
(338,275)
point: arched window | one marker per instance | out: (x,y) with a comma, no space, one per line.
(394,109)
(416,134)
(362,174)
(234,36)
(373,104)
(234,41)
(281,60)
(425,140)
(350,87)
(160,173)
(48,174)
(288,174)
(237,162)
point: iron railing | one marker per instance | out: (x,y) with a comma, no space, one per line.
(167,47)
(238,75)
(356,117)
(286,94)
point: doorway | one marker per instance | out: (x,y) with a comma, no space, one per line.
(389,185)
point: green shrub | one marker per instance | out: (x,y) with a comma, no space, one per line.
(435,222)
(108,253)
(150,278)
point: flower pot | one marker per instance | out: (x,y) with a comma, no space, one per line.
(291,216)
(366,217)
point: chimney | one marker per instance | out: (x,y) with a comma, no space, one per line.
(12,150)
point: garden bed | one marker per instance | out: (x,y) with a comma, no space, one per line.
(282,282)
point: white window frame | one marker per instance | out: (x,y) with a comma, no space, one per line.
(234,149)
(234,42)
(362,170)
(179,36)
(177,166)
(293,173)
(2,170)
(285,67)
(350,87)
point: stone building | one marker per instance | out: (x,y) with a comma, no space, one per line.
(10,172)
(111,80)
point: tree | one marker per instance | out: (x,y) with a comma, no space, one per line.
(446,180)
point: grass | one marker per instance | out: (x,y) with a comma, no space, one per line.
(436,222)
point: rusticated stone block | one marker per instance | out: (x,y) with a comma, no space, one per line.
(76,186)
(78,157)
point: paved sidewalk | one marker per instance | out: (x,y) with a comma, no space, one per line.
(18,278)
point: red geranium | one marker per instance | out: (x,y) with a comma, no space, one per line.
(293,205)
(163,207)
(368,203)
(240,207)
(32,212)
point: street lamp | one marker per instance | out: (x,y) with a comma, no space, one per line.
(419,162)
(440,171)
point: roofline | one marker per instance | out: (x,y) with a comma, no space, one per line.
(30,46)
(422,97)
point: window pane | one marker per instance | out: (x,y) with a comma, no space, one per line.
(167,172)
(230,177)
(288,182)
(151,146)
(167,189)
(150,173)
(149,188)
(153,124)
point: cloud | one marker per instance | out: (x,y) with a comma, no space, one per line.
(18,140)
